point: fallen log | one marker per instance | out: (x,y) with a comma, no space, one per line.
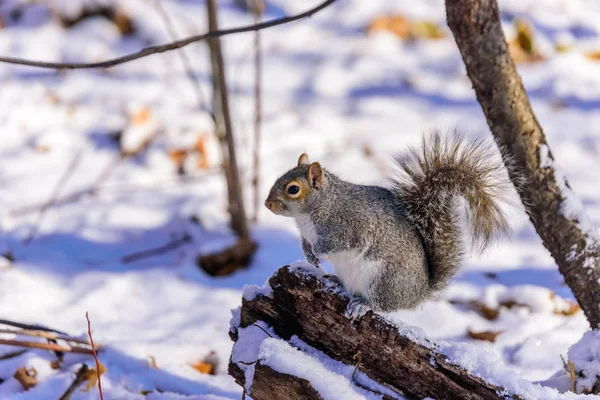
(294,340)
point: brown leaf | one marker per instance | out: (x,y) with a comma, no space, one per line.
(489,336)
(483,310)
(404,28)
(203,367)
(427,30)
(26,377)
(489,312)
(572,309)
(200,148)
(91,376)
(522,47)
(141,117)
(593,55)
(208,365)
(123,22)
(396,24)
(178,157)
(152,361)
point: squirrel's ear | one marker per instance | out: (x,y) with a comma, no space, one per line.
(303,159)
(315,175)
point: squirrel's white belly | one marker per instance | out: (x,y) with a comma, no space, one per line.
(355,272)
(307,229)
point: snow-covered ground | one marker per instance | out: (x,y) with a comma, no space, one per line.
(348,99)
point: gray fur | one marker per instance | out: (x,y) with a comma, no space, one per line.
(411,233)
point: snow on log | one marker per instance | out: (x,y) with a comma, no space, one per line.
(294,341)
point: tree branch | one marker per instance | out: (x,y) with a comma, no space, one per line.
(147,51)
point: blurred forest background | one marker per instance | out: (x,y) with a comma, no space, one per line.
(134,192)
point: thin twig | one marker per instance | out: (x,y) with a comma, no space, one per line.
(262,329)
(172,245)
(46,346)
(258,9)
(187,65)
(13,354)
(79,379)
(166,47)
(29,326)
(95,356)
(43,334)
(358,358)
(125,189)
(54,195)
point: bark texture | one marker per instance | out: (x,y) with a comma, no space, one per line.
(545,194)
(224,128)
(312,308)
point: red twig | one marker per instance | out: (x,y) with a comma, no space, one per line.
(95,356)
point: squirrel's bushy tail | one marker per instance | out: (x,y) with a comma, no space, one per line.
(432,179)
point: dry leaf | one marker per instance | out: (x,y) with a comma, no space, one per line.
(571,309)
(593,55)
(208,365)
(116,16)
(427,30)
(91,376)
(489,312)
(203,367)
(489,336)
(178,157)
(404,28)
(200,148)
(152,361)
(396,24)
(26,377)
(123,22)
(521,47)
(486,312)
(141,117)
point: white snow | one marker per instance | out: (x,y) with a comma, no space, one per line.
(350,100)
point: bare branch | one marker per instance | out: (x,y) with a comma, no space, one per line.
(172,245)
(147,51)
(46,346)
(54,196)
(187,65)
(28,326)
(43,334)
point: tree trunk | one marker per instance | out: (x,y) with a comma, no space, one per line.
(224,129)
(311,307)
(553,209)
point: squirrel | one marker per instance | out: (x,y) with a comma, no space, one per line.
(394,247)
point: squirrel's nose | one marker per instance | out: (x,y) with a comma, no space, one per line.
(269,204)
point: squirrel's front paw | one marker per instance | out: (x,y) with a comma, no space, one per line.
(357,307)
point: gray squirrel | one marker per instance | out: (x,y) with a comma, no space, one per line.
(393,248)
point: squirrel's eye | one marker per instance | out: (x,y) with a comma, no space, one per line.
(293,189)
